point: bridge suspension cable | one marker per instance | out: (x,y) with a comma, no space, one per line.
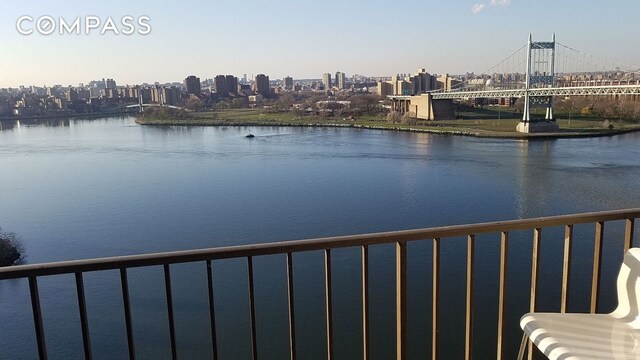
(506,74)
(571,67)
(583,62)
(505,59)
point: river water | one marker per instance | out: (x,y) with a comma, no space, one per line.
(75,189)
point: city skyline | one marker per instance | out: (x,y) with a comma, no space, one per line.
(461,36)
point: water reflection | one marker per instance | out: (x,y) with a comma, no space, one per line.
(7,124)
(534,177)
(10,124)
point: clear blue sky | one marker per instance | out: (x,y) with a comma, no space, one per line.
(304,39)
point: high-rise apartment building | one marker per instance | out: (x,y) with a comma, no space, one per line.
(109,84)
(385,88)
(422,81)
(326,81)
(83,94)
(170,95)
(163,95)
(72,94)
(262,84)
(145,92)
(446,82)
(131,92)
(232,84)
(225,84)
(156,94)
(341,80)
(287,83)
(404,84)
(220,83)
(192,84)
(110,93)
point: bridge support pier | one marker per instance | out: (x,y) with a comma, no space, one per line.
(537,126)
(549,116)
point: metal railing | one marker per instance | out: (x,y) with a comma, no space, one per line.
(399,238)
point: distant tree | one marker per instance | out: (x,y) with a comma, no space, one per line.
(349,114)
(561,105)
(296,111)
(11,249)
(161,112)
(331,108)
(518,106)
(311,101)
(636,111)
(409,118)
(239,102)
(285,101)
(367,103)
(393,117)
(627,109)
(194,104)
(605,107)
(223,104)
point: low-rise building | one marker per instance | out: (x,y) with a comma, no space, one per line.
(255,99)
(424,106)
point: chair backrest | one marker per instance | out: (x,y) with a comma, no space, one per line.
(628,286)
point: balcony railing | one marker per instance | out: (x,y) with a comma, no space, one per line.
(326,245)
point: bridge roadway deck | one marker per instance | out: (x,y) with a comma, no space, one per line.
(552,91)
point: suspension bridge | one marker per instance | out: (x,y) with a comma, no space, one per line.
(537,71)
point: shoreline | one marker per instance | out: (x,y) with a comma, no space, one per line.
(66,116)
(479,134)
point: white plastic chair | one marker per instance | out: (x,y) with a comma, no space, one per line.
(592,336)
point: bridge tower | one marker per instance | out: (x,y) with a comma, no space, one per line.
(540,73)
(140,108)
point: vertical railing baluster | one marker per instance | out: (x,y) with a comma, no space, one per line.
(365,302)
(252,309)
(37,317)
(535,271)
(212,311)
(566,267)
(124,282)
(468,341)
(172,326)
(84,321)
(628,234)
(435,299)
(401,301)
(292,321)
(597,263)
(502,292)
(328,302)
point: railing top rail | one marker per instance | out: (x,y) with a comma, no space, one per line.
(174,257)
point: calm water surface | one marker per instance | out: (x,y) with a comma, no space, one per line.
(92,188)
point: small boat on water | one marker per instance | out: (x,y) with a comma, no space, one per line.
(250,136)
